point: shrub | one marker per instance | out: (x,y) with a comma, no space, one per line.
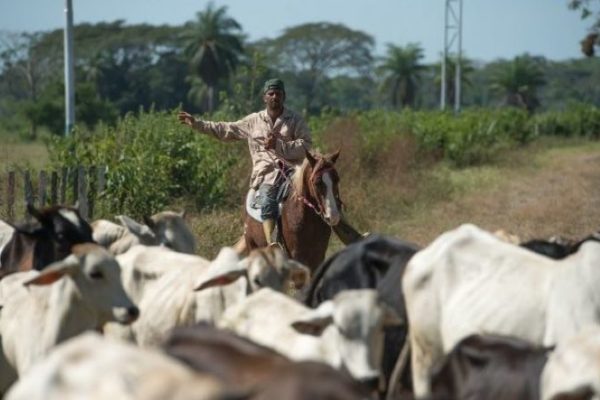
(151,160)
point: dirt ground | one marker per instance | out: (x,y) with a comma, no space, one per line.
(562,197)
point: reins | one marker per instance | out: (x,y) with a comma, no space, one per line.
(280,163)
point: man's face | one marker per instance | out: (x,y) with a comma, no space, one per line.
(274,99)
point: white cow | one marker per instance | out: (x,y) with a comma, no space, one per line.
(186,296)
(167,228)
(572,371)
(142,266)
(41,309)
(346,332)
(95,368)
(468,281)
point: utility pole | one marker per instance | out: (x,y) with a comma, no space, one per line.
(452,37)
(69,70)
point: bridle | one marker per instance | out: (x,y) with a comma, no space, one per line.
(281,164)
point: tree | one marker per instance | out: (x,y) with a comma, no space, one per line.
(308,54)
(26,67)
(592,39)
(214,44)
(466,69)
(402,71)
(519,81)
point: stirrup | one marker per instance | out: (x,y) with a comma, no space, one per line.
(276,244)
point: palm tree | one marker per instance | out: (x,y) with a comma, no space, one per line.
(466,69)
(518,82)
(402,72)
(214,45)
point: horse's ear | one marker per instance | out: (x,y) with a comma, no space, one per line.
(335,156)
(311,159)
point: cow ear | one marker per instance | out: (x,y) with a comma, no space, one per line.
(55,271)
(315,322)
(133,226)
(182,214)
(390,316)
(226,268)
(299,274)
(34,212)
(149,222)
(222,279)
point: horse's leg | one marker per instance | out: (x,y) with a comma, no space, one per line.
(346,233)
(254,234)
(241,246)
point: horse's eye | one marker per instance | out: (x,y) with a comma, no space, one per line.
(96,275)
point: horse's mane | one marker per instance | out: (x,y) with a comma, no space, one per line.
(298,177)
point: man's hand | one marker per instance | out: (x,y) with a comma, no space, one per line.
(271,142)
(186,118)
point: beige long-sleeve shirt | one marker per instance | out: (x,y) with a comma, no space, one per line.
(294,136)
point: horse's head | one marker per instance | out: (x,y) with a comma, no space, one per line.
(322,186)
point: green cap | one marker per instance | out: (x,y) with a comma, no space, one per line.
(275,83)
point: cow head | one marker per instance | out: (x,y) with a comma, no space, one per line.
(267,267)
(56,230)
(355,319)
(172,231)
(97,276)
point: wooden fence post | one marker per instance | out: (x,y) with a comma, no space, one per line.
(53,187)
(42,188)
(10,197)
(64,181)
(82,196)
(92,194)
(75,175)
(28,187)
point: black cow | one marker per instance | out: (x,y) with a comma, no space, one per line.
(49,238)
(557,249)
(490,368)
(376,262)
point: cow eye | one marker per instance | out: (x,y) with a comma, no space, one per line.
(257,281)
(96,275)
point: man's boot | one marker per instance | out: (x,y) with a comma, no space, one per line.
(268,228)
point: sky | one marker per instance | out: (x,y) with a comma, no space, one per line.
(492,29)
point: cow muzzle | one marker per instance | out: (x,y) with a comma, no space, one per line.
(126,315)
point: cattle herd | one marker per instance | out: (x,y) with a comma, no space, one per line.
(127,310)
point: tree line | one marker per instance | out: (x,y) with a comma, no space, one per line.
(208,64)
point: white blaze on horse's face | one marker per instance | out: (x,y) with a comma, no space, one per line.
(331,213)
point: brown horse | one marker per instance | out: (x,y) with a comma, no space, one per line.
(310,210)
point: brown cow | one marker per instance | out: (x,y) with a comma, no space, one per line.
(249,367)
(48,239)
(490,368)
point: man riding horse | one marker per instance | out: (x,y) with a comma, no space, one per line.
(277,138)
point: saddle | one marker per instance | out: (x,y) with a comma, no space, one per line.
(253,207)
